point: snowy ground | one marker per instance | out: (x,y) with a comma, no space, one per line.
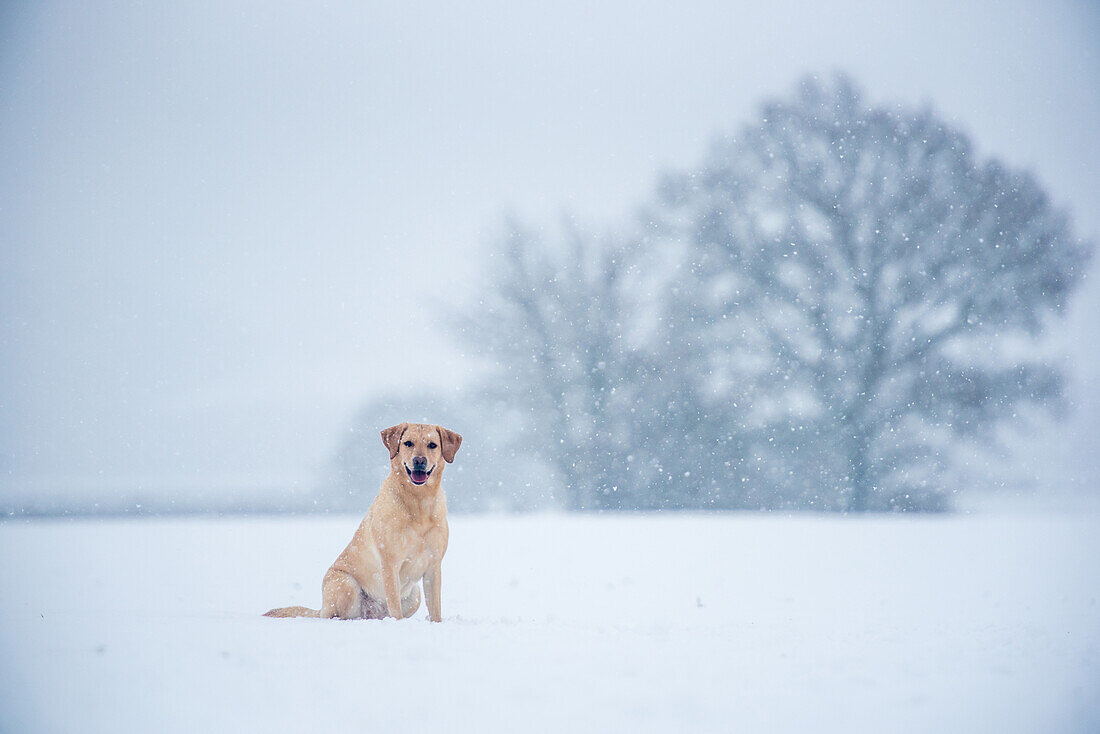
(967,623)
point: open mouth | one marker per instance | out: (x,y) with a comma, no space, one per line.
(418,476)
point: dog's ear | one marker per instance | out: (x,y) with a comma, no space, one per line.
(391,437)
(450,441)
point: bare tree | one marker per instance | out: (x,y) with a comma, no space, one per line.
(578,335)
(875,269)
(551,327)
(811,319)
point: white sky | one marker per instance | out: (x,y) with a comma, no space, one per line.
(223,225)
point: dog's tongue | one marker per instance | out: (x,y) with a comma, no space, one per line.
(419,476)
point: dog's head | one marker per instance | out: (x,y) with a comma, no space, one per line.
(419,450)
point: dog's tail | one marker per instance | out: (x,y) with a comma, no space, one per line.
(293,612)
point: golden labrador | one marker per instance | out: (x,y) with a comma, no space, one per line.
(401,540)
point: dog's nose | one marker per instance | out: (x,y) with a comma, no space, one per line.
(420,462)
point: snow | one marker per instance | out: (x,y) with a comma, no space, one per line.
(985,622)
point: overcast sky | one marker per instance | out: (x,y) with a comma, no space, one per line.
(225,225)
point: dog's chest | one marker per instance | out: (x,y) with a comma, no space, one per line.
(420,550)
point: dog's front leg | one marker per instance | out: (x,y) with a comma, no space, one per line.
(433,580)
(389,585)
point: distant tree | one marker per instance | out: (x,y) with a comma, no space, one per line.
(812,319)
(550,325)
(577,341)
(870,271)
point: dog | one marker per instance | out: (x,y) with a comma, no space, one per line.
(402,539)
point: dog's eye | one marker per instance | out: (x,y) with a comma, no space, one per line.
(409,444)
(431,444)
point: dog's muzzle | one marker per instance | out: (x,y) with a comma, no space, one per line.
(419,472)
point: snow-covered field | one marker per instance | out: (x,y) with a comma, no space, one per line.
(986,622)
